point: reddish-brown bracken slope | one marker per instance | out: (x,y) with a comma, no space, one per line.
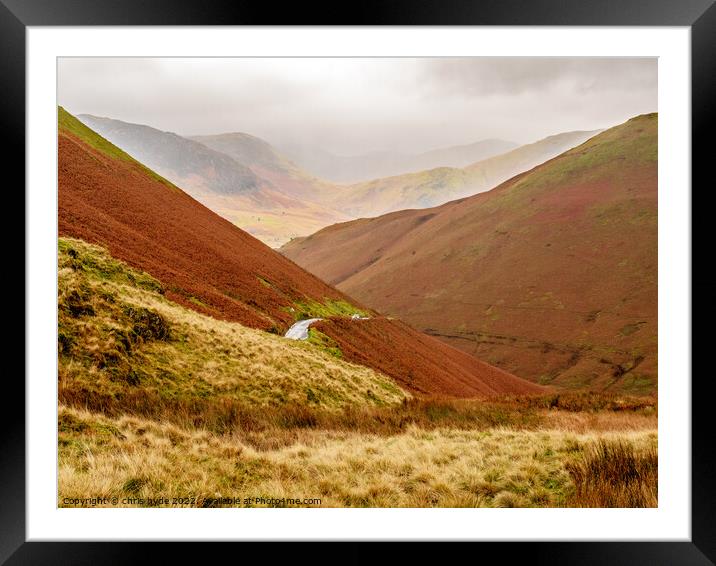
(210,265)
(418,362)
(551,276)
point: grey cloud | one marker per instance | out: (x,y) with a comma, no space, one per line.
(358,105)
(514,76)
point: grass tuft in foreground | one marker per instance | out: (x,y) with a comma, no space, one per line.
(613,474)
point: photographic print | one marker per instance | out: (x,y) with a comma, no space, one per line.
(357,282)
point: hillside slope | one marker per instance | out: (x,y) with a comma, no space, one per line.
(551,276)
(432,187)
(209,265)
(238,176)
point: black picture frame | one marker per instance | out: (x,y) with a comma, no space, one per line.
(699,15)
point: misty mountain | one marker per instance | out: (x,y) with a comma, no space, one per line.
(187,163)
(265,195)
(375,164)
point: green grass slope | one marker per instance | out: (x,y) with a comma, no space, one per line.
(119,338)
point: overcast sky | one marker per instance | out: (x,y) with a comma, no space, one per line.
(355,105)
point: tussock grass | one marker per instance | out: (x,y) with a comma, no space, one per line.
(120,339)
(586,401)
(223,415)
(611,473)
(227,415)
(418,454)
(131,456)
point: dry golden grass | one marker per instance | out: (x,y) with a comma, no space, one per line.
(230,415)
(602,421)
(499,467)
(118,334)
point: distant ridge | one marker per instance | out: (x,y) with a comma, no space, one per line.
(437,186)
(375,164)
